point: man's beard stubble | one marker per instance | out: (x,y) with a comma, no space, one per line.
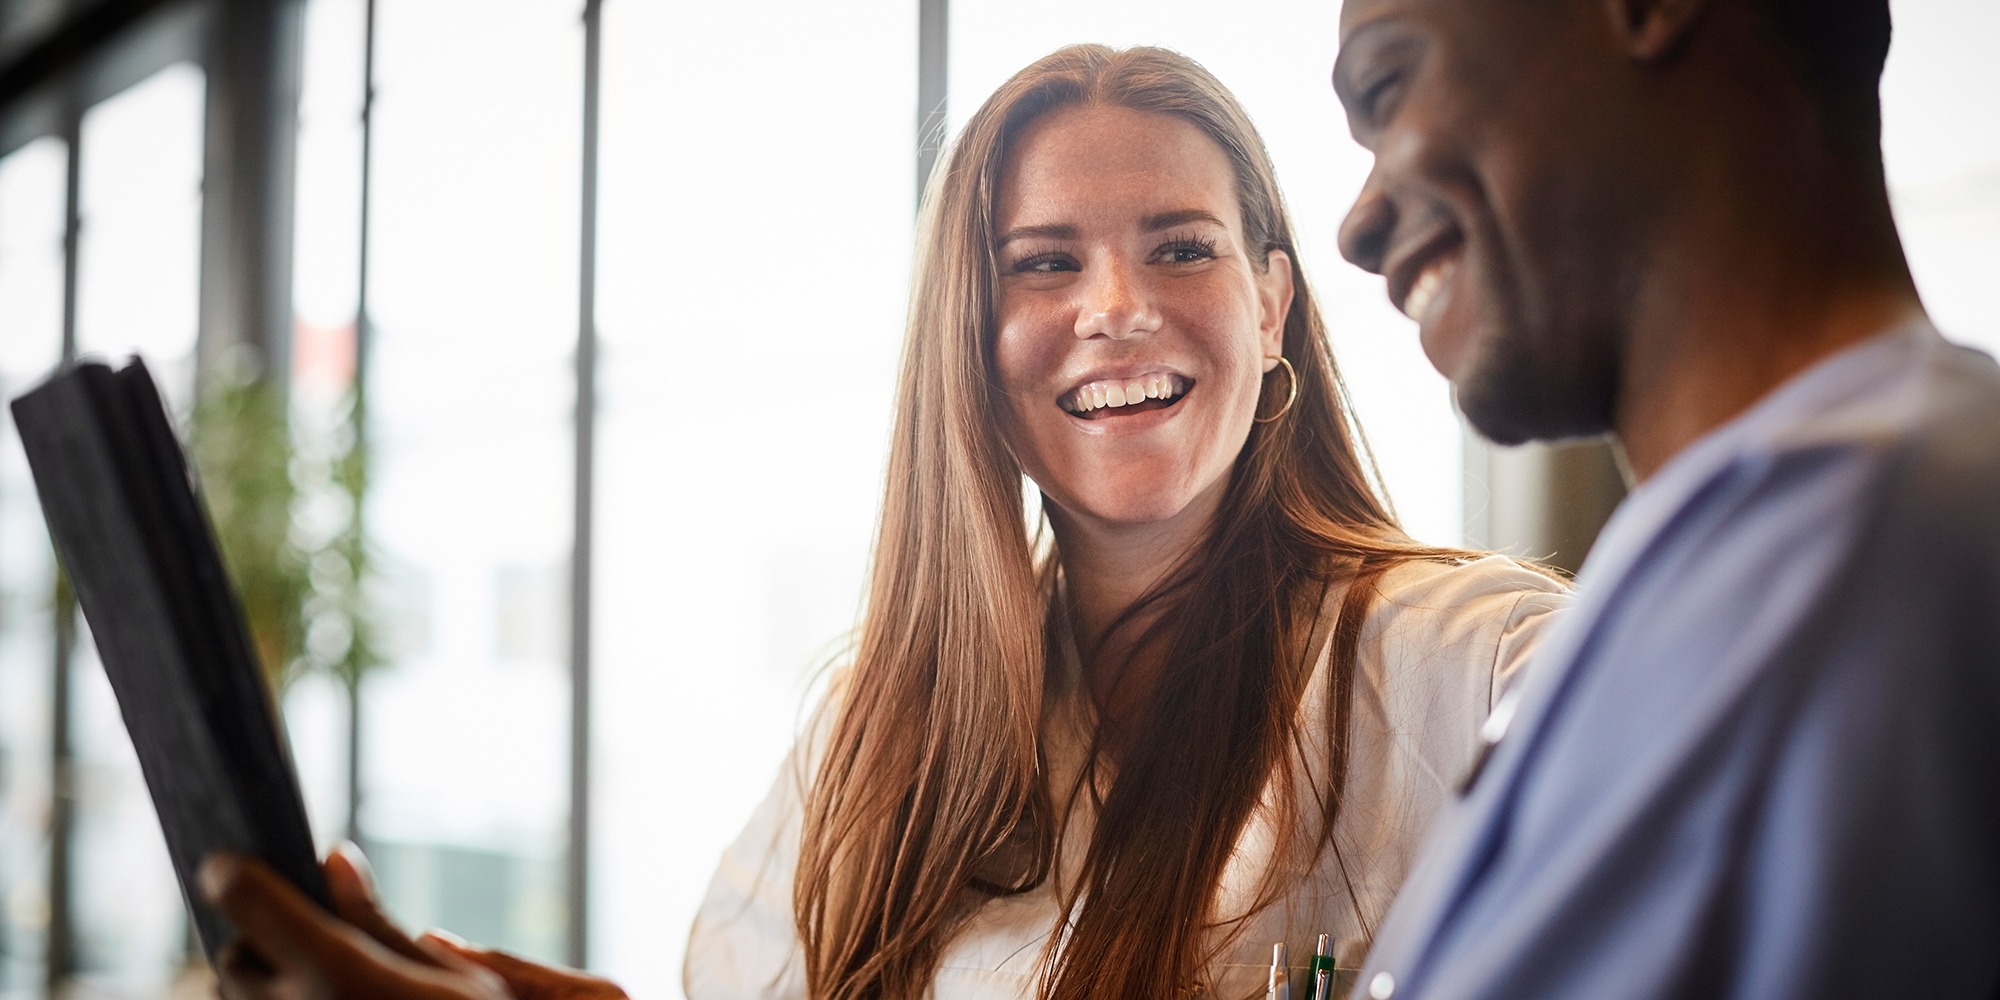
(1518,390)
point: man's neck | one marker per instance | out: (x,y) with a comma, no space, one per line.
(1707,387)
(1744,300)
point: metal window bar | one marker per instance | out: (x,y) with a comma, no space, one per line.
(363,337)
(577,891)
(60,941)
(933,54)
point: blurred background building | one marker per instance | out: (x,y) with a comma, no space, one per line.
(580,320)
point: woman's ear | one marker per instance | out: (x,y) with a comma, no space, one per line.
(1649,29)
(1274,297)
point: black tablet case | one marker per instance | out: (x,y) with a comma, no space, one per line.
(142,558)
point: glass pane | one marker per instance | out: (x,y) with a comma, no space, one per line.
(755,264)
(33,192)
(1944,177)
(138,260)
(1276,56)
(325,286)
(473,295)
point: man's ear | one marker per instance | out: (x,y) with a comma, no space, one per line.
(1650,29)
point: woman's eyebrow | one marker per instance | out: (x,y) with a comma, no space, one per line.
(1150,224)
(1168,220)
(1051,232)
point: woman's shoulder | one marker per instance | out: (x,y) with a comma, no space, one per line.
(1490,611)
(743,942)
(1432,586)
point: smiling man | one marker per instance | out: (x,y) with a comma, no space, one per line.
(1762,757)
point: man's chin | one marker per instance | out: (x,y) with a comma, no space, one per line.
(1514,402)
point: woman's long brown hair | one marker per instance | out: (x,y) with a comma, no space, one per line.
(930,796)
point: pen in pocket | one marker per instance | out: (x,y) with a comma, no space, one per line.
(1320,974)
(1281,975)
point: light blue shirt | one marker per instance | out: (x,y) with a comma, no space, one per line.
(1761,758)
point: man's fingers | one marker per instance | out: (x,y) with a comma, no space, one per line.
(357,862)
(241,974)
(451,951)
(448,952)
(526,979)
(273,918)
(352,887)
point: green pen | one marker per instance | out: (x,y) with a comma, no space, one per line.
(1319,975)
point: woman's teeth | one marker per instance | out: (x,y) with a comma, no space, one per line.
(1425,289)
(1124,392)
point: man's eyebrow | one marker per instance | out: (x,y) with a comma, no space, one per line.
(1058,231)
(1181,217)
(1343,62)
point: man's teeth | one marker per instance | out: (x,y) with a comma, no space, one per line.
(1425,289)
(1123,392)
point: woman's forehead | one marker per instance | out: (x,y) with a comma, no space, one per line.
(1110,165)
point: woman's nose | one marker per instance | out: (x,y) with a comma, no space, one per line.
(1114,304)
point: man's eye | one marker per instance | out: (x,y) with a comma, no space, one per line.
(1375,100)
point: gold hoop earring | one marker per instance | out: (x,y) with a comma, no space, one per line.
(1290,397)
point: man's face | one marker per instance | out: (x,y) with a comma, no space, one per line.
(1503,201)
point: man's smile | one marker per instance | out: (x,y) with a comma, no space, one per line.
(1416,276)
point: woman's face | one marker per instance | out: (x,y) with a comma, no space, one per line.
(1135,322)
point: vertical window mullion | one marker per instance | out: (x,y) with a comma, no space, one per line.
(933,59)
(577,893)
(60,944)
(358,420)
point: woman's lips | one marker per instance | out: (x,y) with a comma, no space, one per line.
(1113,397)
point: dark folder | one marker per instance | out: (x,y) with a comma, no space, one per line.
(141,556)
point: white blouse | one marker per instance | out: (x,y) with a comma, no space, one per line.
(1439,643)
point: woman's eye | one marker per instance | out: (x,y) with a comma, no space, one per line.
(1045,264)
(1187,251)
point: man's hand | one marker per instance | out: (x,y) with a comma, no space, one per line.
(525,979)
(290,949)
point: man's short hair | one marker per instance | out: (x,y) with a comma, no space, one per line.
(1840,47)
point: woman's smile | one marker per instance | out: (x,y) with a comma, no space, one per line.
(1115,397)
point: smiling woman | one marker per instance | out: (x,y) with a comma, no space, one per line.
(1215,703)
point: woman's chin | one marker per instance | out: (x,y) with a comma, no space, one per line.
(1137,508)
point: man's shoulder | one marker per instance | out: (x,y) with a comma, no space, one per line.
(1914,435)
(1914,390)
(1876,501)
(1936,440)
(1950,452)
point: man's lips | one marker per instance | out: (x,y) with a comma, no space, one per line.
(1424,290)
(1416,276)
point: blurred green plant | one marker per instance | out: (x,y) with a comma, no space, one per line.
(343,601)
(286,499)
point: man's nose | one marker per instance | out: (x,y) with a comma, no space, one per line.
(1115,304)
(1364,234)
